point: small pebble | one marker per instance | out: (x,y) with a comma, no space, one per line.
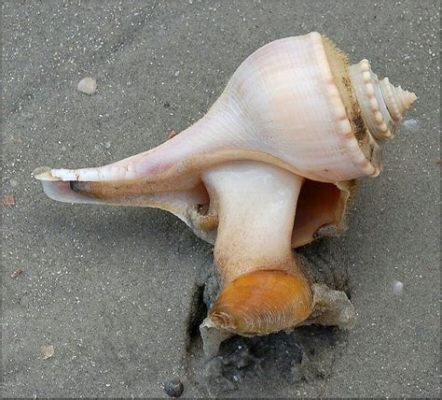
(397,288)
(174,388)
(87,85)
(16,273)
(411,124)
(8,200)
(47,351)
(171,134)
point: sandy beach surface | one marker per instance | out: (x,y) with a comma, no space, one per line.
(97,301)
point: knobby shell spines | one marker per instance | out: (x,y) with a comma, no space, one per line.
(382,104)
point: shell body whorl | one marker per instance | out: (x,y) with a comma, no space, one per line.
(300,101)
(284,100)
(295,103)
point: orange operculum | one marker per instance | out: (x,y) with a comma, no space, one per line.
(262,302)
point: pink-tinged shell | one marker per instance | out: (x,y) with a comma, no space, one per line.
(281,103)
(270,166)
(295,103)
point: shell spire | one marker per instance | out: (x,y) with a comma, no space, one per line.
(397,100)
(382,104)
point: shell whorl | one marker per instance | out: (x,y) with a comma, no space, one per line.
(398,101)
(382,104)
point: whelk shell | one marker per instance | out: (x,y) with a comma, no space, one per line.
(271,166)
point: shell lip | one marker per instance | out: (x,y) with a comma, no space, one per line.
(343,127)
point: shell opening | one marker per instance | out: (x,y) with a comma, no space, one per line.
(320,211)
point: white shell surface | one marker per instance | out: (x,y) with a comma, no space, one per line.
(397,100)
(281,102)
(287,104)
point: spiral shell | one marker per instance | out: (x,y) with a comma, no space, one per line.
(271,166)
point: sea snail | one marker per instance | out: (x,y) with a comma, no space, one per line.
(269,168)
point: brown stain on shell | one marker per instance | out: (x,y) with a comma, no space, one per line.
(339,66)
